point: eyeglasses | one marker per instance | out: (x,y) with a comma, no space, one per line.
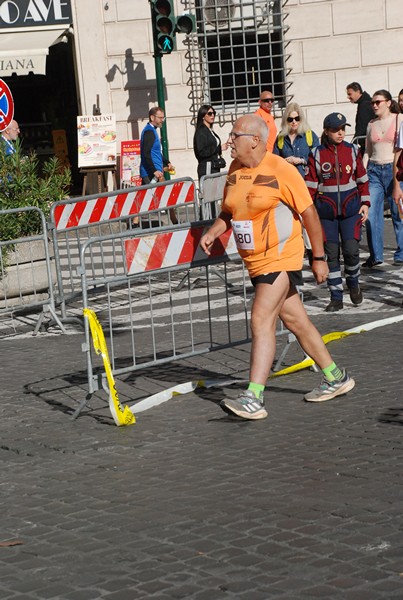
(267,100)
(377,102)
(234,136)
(291,119)
(211,113)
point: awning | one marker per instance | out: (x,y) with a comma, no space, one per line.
(25,50)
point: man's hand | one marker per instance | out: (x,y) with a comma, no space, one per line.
(158,174)
(320,270)
(364,213)
(206,243)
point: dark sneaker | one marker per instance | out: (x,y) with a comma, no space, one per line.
(330,389)
(246,406)
(334,305)
(370,264)
(356,295)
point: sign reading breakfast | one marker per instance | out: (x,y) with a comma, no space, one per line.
(96,136)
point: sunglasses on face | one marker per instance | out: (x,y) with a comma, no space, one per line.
(211,113)
(291,119)
(377,102)
(267,100)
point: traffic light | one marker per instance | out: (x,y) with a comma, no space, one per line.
(185,24)
(164,25)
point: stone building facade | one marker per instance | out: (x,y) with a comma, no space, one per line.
(327,44)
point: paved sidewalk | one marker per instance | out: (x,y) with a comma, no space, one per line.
(191,503)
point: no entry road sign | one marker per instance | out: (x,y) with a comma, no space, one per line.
(6,106)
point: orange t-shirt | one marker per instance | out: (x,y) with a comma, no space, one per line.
(269,120)
(264,203)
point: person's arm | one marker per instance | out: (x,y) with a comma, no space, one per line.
(397,193)
(311,178)
(361,179)
(220,225)
(313,226)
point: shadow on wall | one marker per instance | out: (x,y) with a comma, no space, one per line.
(141,91)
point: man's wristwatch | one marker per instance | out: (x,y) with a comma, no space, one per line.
(323,258)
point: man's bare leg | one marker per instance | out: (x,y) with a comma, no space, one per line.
(267,304)
(296,320)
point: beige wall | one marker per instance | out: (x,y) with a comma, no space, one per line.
(332,42)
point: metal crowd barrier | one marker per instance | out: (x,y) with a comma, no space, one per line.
(27,273)
(74,221)
(147,318)
(211,194)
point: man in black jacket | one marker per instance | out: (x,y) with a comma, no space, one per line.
(364,111)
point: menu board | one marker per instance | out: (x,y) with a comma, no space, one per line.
(96,136)
(130,162)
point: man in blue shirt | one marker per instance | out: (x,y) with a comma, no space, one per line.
(9,136)
(152,160)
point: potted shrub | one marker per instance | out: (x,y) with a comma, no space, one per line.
(25,182)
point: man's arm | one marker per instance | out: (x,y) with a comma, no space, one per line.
(313,227)
(220,225)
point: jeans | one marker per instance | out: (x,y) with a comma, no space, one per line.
(381,187)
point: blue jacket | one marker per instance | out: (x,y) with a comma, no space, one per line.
(8,146)
(299,148)
(151,154)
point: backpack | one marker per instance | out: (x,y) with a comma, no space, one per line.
(308,137)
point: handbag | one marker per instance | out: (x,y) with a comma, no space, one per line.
(218,163)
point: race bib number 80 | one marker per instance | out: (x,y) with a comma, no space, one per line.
(243,234)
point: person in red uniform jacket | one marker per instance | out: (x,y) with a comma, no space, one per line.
(338,183)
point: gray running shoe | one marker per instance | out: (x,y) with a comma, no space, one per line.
(246,406)
(330,389)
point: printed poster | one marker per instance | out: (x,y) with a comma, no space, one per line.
(96,135)
(130,162)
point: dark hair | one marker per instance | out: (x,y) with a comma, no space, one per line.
(394,107)
(401,92)
(153,111)
(203,110)
(354,86)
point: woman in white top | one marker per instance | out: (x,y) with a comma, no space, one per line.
(380,147)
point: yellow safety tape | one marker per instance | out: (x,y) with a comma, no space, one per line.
(185,388)
(121,416)
(308,362)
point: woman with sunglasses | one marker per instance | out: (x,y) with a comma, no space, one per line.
(206,143)
(296,139)
(380,147)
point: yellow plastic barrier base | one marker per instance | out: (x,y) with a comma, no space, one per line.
(121,415)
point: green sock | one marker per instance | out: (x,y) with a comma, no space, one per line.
(332,372)
(257,389)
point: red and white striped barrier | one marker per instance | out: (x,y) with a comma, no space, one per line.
(168,249)
(81,212)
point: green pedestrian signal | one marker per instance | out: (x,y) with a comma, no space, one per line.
(165,43)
